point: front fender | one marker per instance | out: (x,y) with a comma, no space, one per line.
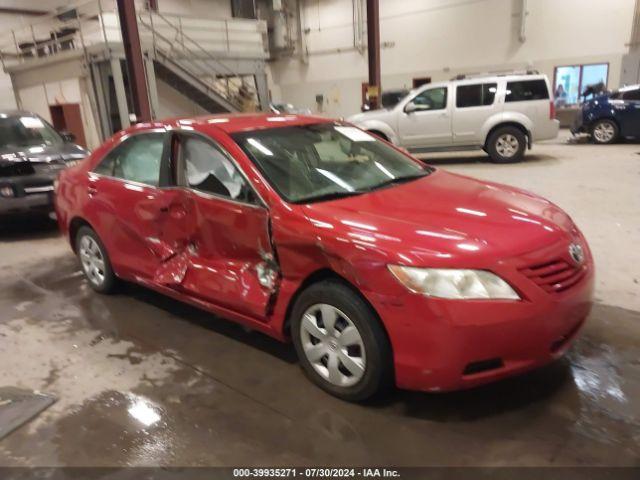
(380,126)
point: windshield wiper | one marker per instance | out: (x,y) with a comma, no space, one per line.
(330,196)
(396,181)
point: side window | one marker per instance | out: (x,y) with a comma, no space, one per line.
(209,170)
(432,99)
(137,159)
(526,90)
(631,95)
(476,95)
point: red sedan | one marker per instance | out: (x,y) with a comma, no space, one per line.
(379,268)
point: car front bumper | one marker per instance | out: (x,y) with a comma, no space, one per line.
(31,194)
(444,345)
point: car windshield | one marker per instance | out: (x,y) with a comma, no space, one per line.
(326,161)
(26,131)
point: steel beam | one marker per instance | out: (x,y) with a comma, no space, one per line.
(373,49)
(135,61)
(121,94)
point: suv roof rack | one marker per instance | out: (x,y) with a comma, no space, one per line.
(499,73)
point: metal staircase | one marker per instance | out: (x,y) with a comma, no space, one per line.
(182,62)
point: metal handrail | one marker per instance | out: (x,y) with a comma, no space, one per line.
(199,71)
(180,32)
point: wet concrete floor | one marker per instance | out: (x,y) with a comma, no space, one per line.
(144,380)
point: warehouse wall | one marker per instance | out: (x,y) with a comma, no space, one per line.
(441,38)
(194,8)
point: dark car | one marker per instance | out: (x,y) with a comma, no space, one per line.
(32,153)
(611,116)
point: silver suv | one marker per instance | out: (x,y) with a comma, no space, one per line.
(501,114)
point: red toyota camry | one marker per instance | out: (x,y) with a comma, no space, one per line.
(379,268)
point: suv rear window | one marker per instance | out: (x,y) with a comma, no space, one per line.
(631,94)
(475,95)
(525,90)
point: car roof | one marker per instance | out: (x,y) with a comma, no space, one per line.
(482,79)
(240,122)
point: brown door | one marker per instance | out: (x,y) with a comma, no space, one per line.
(66,117)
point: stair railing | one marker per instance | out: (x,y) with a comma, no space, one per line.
(192,52)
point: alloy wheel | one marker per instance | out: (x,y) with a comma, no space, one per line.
(604,132)
(333,345)
(507,145)
(92,260)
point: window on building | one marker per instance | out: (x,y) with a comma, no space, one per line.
(477,95)
(572,81)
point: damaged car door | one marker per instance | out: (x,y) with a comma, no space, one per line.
(127,202)
(230,256)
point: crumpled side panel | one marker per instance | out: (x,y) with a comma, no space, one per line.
(172,272)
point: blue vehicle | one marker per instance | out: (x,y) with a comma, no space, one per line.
(611,116)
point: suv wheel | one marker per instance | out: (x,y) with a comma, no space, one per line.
(340,342)
(95,261)
(506,145)
(604,132)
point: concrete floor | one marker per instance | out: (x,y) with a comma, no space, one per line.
(144,380)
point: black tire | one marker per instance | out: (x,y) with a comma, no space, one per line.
(503,134)
(378,368)
(109,282)
(605,132)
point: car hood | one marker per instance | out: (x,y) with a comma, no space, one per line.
(42,153)
(443,217)
(369,115)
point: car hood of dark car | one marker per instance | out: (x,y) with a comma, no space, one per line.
(58,153)
(444,216)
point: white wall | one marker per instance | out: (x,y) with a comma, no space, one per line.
(38,98)
(195,8)
(441,38)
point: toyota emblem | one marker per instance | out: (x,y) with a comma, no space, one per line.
(577,253)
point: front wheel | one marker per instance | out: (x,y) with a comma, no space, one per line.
(340,342)
(604,132)
(506,145)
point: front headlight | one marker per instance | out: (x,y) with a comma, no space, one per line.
(453,283)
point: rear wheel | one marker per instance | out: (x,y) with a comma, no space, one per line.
(340,342)
(94,260)
(506,145)
(604,132)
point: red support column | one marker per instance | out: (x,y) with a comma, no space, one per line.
(135,62)
(373,51)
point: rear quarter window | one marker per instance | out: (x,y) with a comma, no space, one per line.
(527,90)
(631,95)
(481,94)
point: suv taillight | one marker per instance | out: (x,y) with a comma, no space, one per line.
(552,110)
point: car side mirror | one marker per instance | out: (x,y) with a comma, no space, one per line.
(412,107)
(68,137)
